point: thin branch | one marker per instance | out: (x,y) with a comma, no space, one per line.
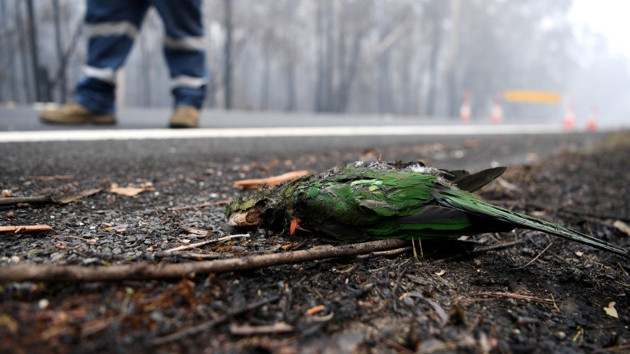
(270,181)
(537,256)
(202,243)
(40,199)
(190,255)
(50,178)
(149,271)
(499,294)
(496,247)
(613,348)
(198,206)
(24,229)
(249,330)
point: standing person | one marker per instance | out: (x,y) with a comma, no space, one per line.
(112,26)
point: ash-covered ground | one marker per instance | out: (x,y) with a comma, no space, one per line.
(517,292)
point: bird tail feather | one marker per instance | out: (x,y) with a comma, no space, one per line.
(478,207)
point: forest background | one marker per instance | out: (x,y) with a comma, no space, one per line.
(415,58)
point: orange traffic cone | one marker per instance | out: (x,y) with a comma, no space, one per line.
(591,124)
(464,110)
(569,118)
(496,115)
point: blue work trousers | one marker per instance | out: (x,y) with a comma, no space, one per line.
(112,26)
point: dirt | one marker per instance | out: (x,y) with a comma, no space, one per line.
(487,293)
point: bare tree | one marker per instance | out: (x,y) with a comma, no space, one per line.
(291,56)
(227,70)
(395,56)
(7,47)
(23,52)
(39,73)
(59,47)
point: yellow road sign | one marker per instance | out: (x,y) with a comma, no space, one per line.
(532,96)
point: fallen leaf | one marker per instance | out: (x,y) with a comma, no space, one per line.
(440,273)
(622,226)
(131,191)
(72,198)
(610,310)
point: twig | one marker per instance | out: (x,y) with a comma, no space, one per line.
(612,348)
(40,199)
(50,178)
(270,181)
(198,206)
(496,247)
(537,256)
(249,330)
(209,324)
(190,255)
(517,297)
(395,345)
(149,271)
(392,252)
(24,229)
(199,244)
(197,232)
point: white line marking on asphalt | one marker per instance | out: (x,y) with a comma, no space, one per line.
(142,134)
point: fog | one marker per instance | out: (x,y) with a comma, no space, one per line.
(408,58)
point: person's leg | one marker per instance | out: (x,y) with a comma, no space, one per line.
(185,56)
(111,26)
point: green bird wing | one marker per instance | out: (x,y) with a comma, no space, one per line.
(365,204)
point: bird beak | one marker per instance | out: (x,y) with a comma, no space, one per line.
(245,219)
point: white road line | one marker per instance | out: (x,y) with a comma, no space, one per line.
(142,134)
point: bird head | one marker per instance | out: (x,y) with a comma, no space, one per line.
(253,211)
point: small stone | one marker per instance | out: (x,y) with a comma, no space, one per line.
(43,304)
(560,335)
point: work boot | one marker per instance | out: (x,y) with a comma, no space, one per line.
(74,113)
(185,117)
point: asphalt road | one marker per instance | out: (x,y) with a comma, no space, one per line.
(25,143)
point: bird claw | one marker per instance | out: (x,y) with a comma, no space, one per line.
(415,252)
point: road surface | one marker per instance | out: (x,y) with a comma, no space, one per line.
(140,134)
